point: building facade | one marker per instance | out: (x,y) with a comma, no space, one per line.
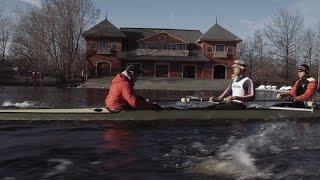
(165,53)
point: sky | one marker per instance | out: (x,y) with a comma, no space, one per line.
(241,17)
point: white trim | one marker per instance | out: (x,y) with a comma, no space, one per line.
(225,72)
(116,43)
(155,65)
(103,62)
(207,48)
(165,33)
(215,47)
(196,69)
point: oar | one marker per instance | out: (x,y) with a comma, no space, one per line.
(288,108)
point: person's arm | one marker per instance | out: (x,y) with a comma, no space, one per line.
(293,91)
(250,92)
(128,94)
(226,93)
(311,88)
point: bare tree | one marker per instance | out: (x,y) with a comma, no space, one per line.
(5,32)
(283,33)
(51,35)
(309,46)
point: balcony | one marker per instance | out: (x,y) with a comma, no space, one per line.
(107,51)
(220,54)
(161,52)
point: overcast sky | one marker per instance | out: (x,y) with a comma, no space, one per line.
(241,17)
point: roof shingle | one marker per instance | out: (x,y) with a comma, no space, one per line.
(218,33)
(104,29)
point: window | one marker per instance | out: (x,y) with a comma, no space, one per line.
(162,39)
(230,50)
(145,45)
(169,46)
(181,47)
(174,46)
(92,45)
(219,47)
(162,70)
(114,46)
(103,44)
(209,49)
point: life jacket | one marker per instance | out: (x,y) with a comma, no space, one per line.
(237,87)
(302,85)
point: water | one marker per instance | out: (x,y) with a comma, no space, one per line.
(162,150)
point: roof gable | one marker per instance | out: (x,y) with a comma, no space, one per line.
(218,33)
(134,34)
(157,35)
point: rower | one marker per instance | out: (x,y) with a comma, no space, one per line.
(240,91)
(121,94)
(303,90)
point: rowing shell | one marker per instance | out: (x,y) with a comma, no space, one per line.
(89,114)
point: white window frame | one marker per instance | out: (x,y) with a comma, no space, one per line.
(196,70)
(224,47)
(155,70)
(207,48)
(101,61)
(228,49)
(114,43)
(225,73)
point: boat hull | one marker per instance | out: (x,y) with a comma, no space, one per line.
(88,114)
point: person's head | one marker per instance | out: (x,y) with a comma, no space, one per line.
(238,67)
(133,71)
(303,71)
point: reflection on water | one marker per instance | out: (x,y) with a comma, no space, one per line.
(102,150)
(121,142)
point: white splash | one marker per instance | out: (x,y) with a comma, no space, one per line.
(62,166)
(234,159)
(24,104)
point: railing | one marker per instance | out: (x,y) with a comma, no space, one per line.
(162,52)
(220,54)
(104,51)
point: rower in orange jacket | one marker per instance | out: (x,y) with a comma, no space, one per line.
(121,94)
(303,89)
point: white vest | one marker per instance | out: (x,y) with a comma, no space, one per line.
(237,87)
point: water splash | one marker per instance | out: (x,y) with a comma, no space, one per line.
(25,104)
(62,166)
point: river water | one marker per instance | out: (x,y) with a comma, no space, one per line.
(163,150)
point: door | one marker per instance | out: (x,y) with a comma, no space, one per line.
(219,71)
(103,69)
(162,70)
(189,71)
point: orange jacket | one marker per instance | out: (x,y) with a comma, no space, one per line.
(307,92)
(121,94)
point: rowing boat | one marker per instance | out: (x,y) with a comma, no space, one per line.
(89,114)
